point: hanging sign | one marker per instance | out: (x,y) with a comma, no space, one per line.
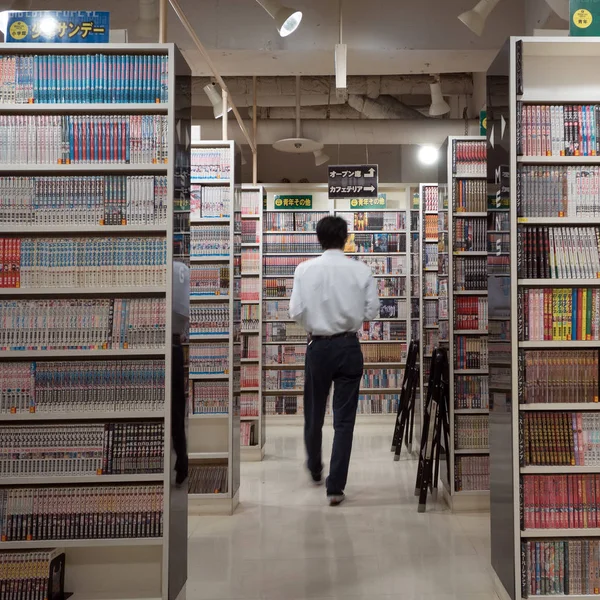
(353,181)
(366,203)
(58,27)
(584,18)
(293,202)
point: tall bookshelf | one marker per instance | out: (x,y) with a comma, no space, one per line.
(428,298)
(252,418)
(85,355)
(463,315)
(414,258)
(544,375)
(215,324)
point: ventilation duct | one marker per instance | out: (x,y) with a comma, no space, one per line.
(385,107)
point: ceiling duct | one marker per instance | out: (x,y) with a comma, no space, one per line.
(385,107)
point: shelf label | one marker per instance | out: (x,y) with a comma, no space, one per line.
(365,203)
(353,181)
(287,202)
(57,26)
(584,18)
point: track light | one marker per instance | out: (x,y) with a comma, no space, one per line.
(475,18)
(428,155)
(216,99)
(438,105)
(286,19)
(320,157)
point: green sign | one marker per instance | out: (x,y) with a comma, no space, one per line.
(293,202)
(483,123)
(366,203)
(584,18)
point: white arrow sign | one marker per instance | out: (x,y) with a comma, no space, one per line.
(371,188)
(370,173)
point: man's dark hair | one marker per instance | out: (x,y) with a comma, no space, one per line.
(332,233)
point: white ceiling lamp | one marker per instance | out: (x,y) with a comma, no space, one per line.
(321,158)
(286,19)
(147,24)
(438,105)
(475,18)
(560,7)
(428,155)
(213,91)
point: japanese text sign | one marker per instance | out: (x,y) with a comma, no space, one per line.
(293,203)
(353,181)
(584,18)
(366,203)
(59,27)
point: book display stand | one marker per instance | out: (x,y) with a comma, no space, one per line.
(216,320)
(463,316)
(89,169)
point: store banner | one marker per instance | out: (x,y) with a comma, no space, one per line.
(353,181)
(57,27)
(293,202)
(366,203)
(585,18)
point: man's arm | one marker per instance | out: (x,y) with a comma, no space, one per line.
(371,300)
(296,305)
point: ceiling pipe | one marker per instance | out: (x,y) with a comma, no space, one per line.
(385,107)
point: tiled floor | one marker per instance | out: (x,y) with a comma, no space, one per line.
(285,543)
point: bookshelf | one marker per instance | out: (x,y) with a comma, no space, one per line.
(87,229)
(414,241)
(428,296)
(463,315)
(252,419)
(215,328)
(544,367)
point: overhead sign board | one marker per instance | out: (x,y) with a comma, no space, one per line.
(353,181)
(57,27)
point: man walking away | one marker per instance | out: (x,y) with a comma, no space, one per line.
(332,296)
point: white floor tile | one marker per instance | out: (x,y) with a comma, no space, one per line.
(285,543)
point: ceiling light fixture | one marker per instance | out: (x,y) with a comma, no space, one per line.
(438,105)
(286,19)
(475,18)
(213,92)
(341,58)
(321,158)
(428,155)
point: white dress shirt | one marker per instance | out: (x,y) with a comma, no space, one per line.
(333,294)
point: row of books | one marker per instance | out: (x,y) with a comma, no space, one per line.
(384,265)
(559,252)
(249,404)
(384,353)
(89,449)
(469,158)
(181,247)
(251,346)
(470,234)
(209,358)
(284,332)
(470,312)
(82,262)
(560,501)
(212,240)
(470,352)
(276,310)
(210,163)
(81,386)
(430,285)
(430,314)
(470,195)
(471,432)
(558,191)
(290,243)
(83,139)
(430,255)
(442,221)
(82,512)
(284,405)
(382,378)
(251,262)
(560,567)
(562,314)
(374,220)
(29,575)
(209,280)
(470,273)
(284,379)
(209,397)
(290,221)
(559,438)
(471,473)
(209,319)
(210,202)
(181,223)
(391,287)
(558,376)
(281,266)
(84,200)
(560,130)
(83,78)
(277,288)
(414,223)
(250,232)
(250,317)
(82,324)
(252,203)
(431,227)
(378,404)
(498,265)
(207,479)
(284,355)
(375,242)
(249,376)
(471,391)
(250,289)
(430,198)
(383,331)
(248,433)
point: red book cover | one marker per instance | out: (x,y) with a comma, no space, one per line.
(2,263)
(579,313)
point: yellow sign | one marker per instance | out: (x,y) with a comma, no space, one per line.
(19,30)
(366,203)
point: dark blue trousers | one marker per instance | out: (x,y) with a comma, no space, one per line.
(338,361)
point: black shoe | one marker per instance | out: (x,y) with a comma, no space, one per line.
(336,499)
(316,478)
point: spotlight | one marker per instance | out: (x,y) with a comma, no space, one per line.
(320,157)
(286,19)
(475,18)
(438,105)
(428,155)
(216,99)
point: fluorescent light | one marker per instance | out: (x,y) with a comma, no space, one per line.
(475,18)
(286,19)
(438,105)
(216,99)
(321,158)
(428,155)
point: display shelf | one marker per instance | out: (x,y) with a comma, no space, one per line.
(462,263)
(109,310)
(193,417)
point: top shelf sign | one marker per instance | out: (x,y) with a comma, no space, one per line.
(353,181)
